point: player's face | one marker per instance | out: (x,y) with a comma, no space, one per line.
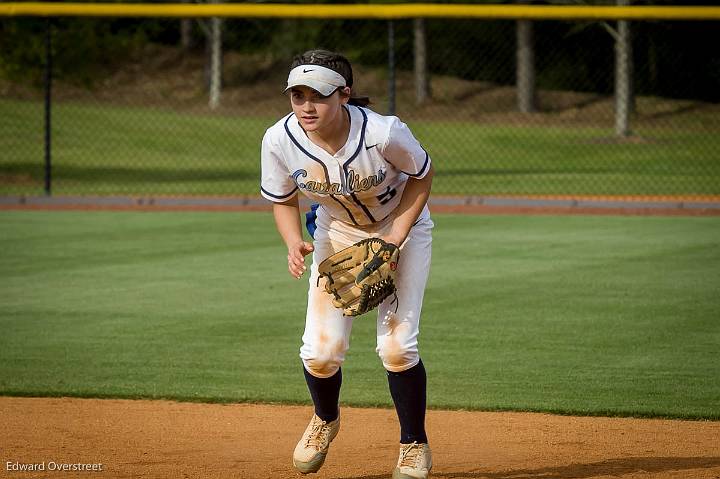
(314,111)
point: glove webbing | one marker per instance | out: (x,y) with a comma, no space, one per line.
(373,295)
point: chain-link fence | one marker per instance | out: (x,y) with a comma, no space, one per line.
(503,107)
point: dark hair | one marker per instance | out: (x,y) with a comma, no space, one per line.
(337,63)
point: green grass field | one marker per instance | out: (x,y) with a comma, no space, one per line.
(101,149)
(581,315)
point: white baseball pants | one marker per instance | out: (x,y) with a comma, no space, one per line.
(327,330)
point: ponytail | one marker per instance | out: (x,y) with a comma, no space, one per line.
(359,100)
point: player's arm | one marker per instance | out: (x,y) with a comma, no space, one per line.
(414,197)
(287,220)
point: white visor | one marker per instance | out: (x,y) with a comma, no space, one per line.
(319,78)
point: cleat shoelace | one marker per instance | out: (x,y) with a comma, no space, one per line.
(318,435)
(410,455)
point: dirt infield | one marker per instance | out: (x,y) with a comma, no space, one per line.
(129,439)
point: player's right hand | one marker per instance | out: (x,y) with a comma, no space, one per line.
(296,258)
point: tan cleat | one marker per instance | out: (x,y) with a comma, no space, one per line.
(415,461)
(310,452)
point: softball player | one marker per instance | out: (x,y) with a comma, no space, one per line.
(370,178)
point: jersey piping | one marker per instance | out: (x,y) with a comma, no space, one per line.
(422,170)
(307,153)
(315,158)
(361,143)
(352,218)
(279,197)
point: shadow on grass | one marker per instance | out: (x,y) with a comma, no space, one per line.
(129,174)
(586,102)
(523,171)
(140,174)
(692,107)
(611,467)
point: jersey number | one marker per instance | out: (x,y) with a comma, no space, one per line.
(387,195)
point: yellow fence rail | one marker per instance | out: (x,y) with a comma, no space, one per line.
(409,10)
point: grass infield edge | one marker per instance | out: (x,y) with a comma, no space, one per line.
(714,417)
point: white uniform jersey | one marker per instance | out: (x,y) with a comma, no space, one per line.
(361,184)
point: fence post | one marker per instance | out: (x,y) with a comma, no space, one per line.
(48,106)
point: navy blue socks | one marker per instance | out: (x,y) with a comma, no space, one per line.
(325,393)
(408,390)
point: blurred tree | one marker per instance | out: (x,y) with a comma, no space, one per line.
(623,75)
(212,28)
(422,78)
(671,58)
(186,39)
(525,65)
